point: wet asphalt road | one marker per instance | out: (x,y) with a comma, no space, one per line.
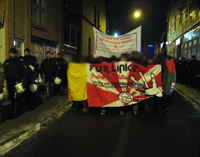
(173,134)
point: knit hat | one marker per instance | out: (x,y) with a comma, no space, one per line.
(13,50)
(193,56)
(27,50)
(48,52)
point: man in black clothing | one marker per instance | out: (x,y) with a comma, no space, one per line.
(194,72)
(49,67)
(184,71)
(62,70)
(15,71)
(32,74)
(32,66)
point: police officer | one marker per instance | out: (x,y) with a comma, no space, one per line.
(32,66)
(50,69)
(2,77)
(194,71)
(62,70)
(15,71)
(32,74)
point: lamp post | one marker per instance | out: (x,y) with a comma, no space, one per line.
(137,13)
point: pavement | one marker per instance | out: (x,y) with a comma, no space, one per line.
(189,93)
(14,131)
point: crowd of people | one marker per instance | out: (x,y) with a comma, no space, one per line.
(188,71)
(159,103)
(21,74)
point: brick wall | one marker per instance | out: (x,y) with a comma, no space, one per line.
(9,26)
(19,19)
(27,35)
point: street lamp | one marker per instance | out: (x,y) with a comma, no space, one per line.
(137,13)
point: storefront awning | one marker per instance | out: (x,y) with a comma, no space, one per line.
(2,10)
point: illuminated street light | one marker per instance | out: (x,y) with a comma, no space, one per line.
(115,34)
(136,14)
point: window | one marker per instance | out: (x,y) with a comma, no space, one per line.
(38,12)
(174,23)
(18,44)
(191,6)
(95,19)
(181,17)
(70,35)
(89,46)
(98,24)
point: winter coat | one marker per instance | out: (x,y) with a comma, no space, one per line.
(15,71)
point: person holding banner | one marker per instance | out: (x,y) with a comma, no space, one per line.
(77,80)
(169,80)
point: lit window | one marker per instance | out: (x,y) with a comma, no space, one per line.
(38,12)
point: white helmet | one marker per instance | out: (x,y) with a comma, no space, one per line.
(57,80)
(33,88)
(19,88)
(2,95)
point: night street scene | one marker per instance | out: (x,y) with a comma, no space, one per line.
(99,78)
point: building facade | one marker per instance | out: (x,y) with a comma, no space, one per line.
(80,18)
(33,24)
(183,31)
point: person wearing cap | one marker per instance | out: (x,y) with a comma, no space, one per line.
(55,60)
(32,74)
(32,66)
(50,70)
(194,72)
(15,72)
(62,70)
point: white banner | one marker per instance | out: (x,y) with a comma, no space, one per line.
(107,45)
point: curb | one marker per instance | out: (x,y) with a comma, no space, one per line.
(18,135)
(191,100)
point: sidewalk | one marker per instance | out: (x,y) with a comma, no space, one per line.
(188,92)
(13,132)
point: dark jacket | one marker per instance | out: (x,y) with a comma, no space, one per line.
(62,66)
(2,77)
(194,68)
(31,60)
(15,70)
(49,67)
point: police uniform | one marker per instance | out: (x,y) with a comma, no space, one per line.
(31,61)
(15,72)
(2,77)
(62,71)
(49,67)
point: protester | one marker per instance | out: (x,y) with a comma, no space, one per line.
(15,71)
(80,59)
(50,69)
(169,80)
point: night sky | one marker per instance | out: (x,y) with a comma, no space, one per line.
(152,20)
